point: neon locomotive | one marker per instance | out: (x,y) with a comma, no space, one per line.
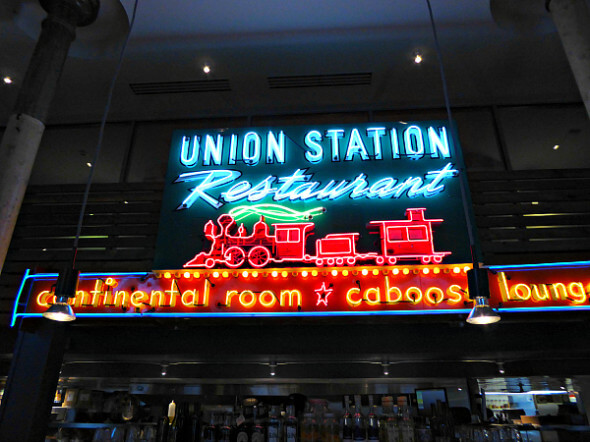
(401,240)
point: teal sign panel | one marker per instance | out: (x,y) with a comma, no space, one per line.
(348,194)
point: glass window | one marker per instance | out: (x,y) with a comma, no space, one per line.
(417,233)
(66,152)
(477,136)
(546,137)
(395,233)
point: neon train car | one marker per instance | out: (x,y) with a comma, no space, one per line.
(409,239)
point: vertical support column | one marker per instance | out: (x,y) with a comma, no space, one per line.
(572,19)
(32,379)
(25,127)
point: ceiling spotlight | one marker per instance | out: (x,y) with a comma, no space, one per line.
(164,371)
(7,80)
(385,366)
(207,69)
(89,164)
(65,289)
(482,313)
(273,369)
(501,368)
(555,147)
(417,58)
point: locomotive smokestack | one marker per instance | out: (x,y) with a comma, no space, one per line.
(415,214)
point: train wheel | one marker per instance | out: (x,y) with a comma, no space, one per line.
(380,260)
(350,260)
(392,260)
(209,263)
(258,256)
(319,262)
(234,257)
(437,258)
(425,259)
(339,261)
(330,261)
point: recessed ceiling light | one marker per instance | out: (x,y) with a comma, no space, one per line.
(206,69)
(556,147)
(7,80)
(417,58)
(89,164)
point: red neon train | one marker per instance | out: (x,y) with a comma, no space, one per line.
(408,239)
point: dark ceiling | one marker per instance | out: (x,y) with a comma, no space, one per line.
(251,46)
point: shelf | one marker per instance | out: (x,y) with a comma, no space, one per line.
(96,425)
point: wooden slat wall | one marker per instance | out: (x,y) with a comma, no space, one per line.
(522,217)
(118,234)
(532,216)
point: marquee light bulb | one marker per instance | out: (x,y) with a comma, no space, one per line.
(7,80)
(417,58)
(207,69)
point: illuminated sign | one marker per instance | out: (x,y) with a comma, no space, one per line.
(552,286)
(311,291)
(302,291)
(333,179)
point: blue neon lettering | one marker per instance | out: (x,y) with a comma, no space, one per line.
(394,144)
(275,148)
(376,133)
(414,142)
(262,189)
(237,192)
(189,156)
(299,187)
(212,179)
(356,146)
(297,177)
(212,150)
(251,156)
(382,188)
(304,191)
(439,143)
(437,176)
(316,152)
(334,134)
(233,149)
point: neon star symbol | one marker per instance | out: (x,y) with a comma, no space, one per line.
(323,292)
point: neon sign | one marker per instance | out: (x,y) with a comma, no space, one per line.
(232,246)
(310,291)
(349,174)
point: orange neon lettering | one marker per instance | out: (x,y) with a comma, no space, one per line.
(373,291)
(111,282)
(124,301)
(576,290)
(160,296)
(558,291)
(228,295)
(205,302)
(42,298)
(247,304)
(270,302)
(190,298)
(290,295)
(388,291)
(82,298)
(349,299)
(172,292)
(520,292)
(434,295)
(540,292)
(454,294)
(96,292)
(138,297)
(415,291)
(503,285)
